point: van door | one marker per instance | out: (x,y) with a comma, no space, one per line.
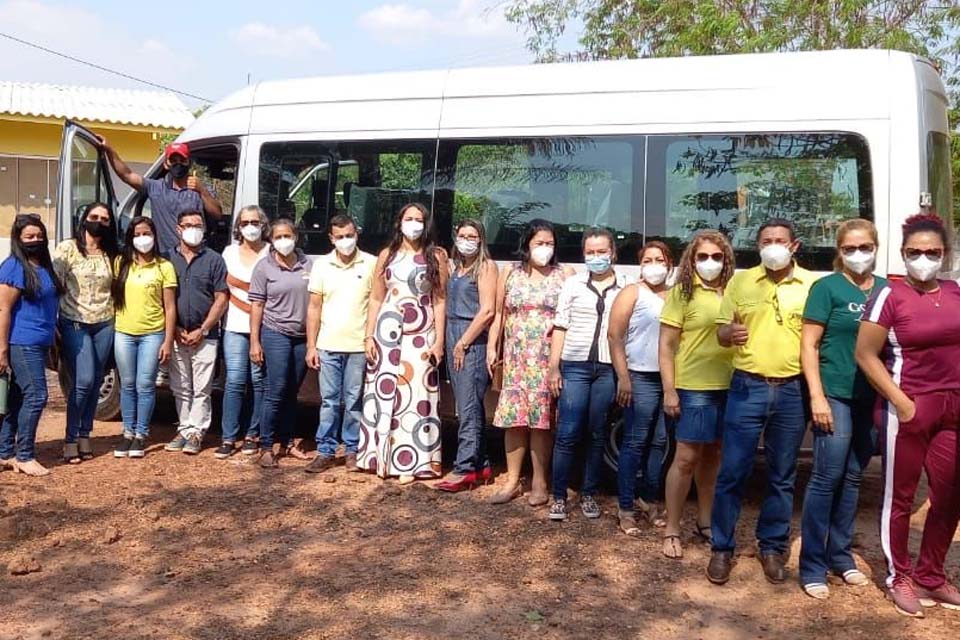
(83,178)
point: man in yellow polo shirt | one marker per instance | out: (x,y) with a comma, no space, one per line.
(339,288)
(761,316)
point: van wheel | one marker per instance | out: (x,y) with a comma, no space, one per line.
(108,402)
(611,452)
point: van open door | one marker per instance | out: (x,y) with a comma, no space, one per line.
(84,177)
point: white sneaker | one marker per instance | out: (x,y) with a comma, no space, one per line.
(817,590)
(855,578)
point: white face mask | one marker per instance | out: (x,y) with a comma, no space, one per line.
(251,233)
(284,246)
(709,270)
(541,255)
(923,268)
(467,247)
(859,262)
(411,229)
(143,244)
(654,273)
(192,236)
(346,246)
(775,256)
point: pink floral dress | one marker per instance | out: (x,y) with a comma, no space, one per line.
(529,309)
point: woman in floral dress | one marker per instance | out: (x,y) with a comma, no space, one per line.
(527,297)
(400,427)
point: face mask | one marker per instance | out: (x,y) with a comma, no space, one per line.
(179,171)
(775,257)
(923,268)
(143,244)
(860,262)
(251,233)
(33,249)
(653,274)
(192,236)
(541,255)
(468,247)
(598,264)
(95,228)
(709,269)
(346,246)
(284,246)
(412,229)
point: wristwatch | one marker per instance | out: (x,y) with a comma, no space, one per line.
(204,332)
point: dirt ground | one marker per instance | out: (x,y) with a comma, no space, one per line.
(177,547)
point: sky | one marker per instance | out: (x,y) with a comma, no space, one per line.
(209,49)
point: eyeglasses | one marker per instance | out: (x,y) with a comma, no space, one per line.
(913,254)
(249,223)
(716,257)
(473,238)
(849,249)
(776,308)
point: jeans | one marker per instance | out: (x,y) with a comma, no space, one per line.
(779,413)
(191,380)
(341,381)
(86,351)
(286,367)
(25,403)
(241,410)
(644,442)
(137,363)
(585,398)
(830,506)
(469,386)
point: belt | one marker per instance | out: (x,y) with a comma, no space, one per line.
(768,380)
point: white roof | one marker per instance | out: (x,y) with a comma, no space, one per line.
(160,109)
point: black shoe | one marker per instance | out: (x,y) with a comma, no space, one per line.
(320,464)
(774,568)
(224,451)
(137,447)
(718,571)
(250,447)
(123,447)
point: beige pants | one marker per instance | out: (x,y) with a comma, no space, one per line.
(191,380)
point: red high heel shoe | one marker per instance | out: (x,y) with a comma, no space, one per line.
(485,476)
(465,483)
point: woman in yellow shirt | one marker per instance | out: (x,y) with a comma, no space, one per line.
(144,294)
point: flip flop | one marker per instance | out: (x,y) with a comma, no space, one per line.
(675,548)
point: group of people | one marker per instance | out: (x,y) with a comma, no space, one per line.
(692,352)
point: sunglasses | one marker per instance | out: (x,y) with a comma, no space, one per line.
(913,254)
(716,257)
(776,308)
(249,223)
(849,249)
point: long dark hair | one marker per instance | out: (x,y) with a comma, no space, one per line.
(31,279)
(688,260)
(534,227)
(426,243)
(127,256)
(108,241)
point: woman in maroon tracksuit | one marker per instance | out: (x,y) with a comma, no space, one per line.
(914,324)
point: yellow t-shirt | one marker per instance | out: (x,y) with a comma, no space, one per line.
(142,311)
(345,289)
(700,363)
(773,315)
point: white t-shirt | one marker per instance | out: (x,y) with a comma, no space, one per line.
(238,280)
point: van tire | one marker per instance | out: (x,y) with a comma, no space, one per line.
(108,403)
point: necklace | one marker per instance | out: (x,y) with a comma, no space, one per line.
(939,293)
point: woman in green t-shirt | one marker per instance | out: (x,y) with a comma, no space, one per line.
(841,402)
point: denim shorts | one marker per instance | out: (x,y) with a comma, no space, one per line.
(701,416)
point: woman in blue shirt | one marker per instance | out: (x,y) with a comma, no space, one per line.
(28,314)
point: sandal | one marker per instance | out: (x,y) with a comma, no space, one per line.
(405,480)
(295,451)
(85,448)
(628,523)
(672,547)
(268,460)
(71,453)
(504,496)
(698,533)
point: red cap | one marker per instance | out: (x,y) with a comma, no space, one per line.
(177,148)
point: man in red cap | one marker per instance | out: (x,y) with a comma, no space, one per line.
(170,195)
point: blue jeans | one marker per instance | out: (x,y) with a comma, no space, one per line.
(137,364)
(28,397)
(830,505)
(779,413)
(469,388)
(644,442)
(585,398)
(283,357)
(341,381)
(241,410)
(86,351)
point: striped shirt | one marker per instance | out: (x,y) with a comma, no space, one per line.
(923,340)
(584,312)
(238,279)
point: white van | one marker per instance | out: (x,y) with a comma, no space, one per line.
(651,149)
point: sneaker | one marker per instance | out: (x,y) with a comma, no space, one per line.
(946,595)
(192,447)
(855,578)
(904,597)
(224,451)
(137,447)
(320,464)
(250,447)
(589,507)
(123,447)
(558,510)
(177,444)
(817,590)
(350,462)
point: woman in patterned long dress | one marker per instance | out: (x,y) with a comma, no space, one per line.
(400,428)
(527,297)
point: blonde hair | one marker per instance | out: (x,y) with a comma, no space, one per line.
(483,253)
(854,224)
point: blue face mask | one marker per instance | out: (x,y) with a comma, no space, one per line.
(598,264)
